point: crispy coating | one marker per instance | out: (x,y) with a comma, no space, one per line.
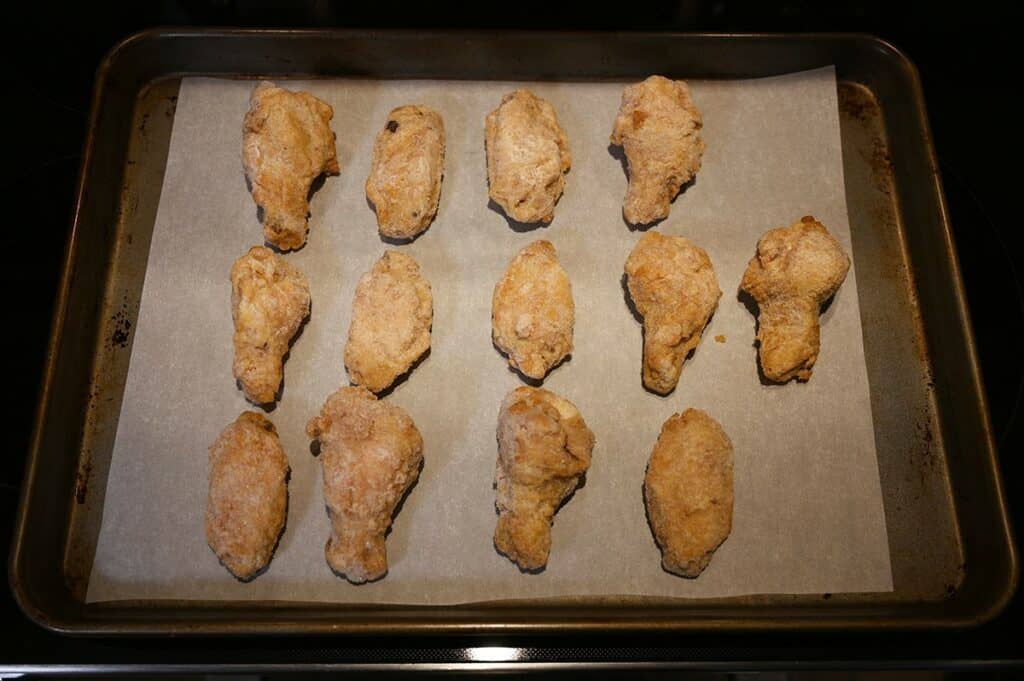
(688,491)
(794,271)
(532,311)
(544,450)
(286,144)
(674,287)
(248,495)
(391,317)
(269,301)
(527,157)
(658,127)
(408,163)
(371,453)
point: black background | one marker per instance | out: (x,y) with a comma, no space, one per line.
(967,56)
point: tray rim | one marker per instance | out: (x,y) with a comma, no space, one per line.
(510,619)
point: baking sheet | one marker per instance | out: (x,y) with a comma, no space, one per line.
(808,513)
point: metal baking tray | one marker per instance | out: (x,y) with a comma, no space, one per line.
(953,558)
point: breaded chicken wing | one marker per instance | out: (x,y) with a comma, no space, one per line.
(248,496)
(544,450)
(794,271)
(371,454)
(674,287)
(532,311)
(527,157)
(408,163)
(688,491)
(286,144)
(392,313)
(658,127)
(269,301)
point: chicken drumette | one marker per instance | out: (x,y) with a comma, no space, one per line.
(269,301)
(371,453)
(408,163)
(674,287)
(527,157)
(532,311)
(286,144)
(688,491)
(658,127)
(248,495)
(544,449)
(795,270)
(392,313)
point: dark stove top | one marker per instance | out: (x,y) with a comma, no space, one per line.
(962,54)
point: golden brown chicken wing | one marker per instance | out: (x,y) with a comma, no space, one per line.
(286,144)
(688,491)
(527,157)
(248,495)
(674,287)
(658,127)
(544,450)
(408,163)
(532,311)
(269,301)
(794,271)
(391,317)
(371,453)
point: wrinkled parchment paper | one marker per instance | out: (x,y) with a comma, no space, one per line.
(808,510)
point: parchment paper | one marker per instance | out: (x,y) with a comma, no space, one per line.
(808,510)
